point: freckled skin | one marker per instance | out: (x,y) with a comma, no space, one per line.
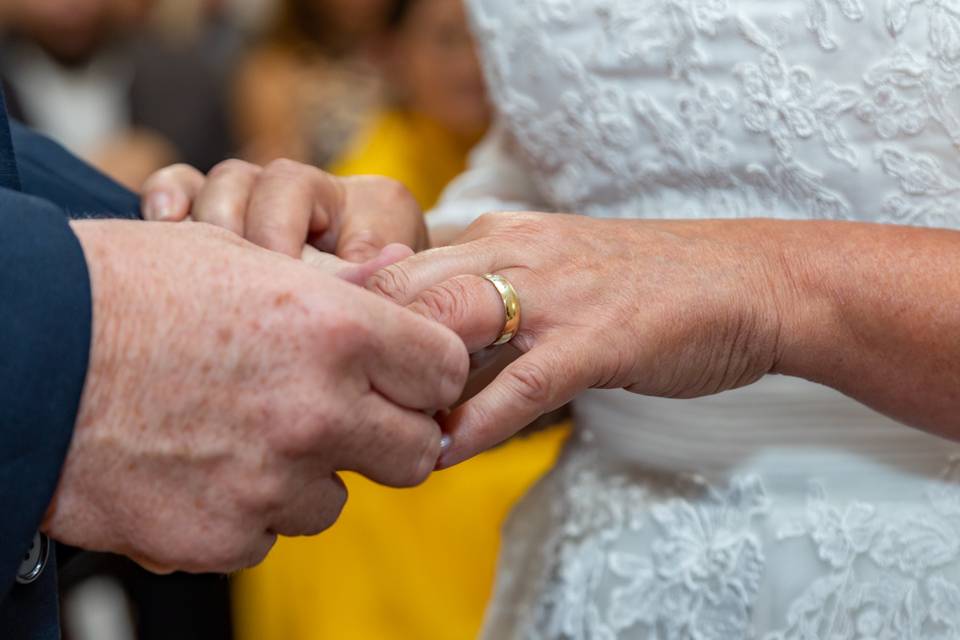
(204,418)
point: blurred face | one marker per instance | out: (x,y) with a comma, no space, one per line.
(355,18)
(439,68)
(72,29)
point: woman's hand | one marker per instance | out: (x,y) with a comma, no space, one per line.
(675,309)
(287,205)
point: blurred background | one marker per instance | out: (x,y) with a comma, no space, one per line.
(390,87)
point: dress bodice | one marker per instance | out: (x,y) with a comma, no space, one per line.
(839,109)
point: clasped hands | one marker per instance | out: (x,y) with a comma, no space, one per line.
(228,384)
(650,306)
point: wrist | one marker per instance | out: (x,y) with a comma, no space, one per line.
(804,303)
(117,303)
(101,245)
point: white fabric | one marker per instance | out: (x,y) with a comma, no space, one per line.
(784,510)
(80,108)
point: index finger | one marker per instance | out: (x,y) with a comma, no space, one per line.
(415,363)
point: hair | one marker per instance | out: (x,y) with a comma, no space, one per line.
(302,25)
(399,13)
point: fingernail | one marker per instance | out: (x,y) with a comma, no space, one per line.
(445,442)
(159,206)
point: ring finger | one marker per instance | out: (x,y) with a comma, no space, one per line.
(471,307)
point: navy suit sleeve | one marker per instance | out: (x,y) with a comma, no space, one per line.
(49,171)
(45,324)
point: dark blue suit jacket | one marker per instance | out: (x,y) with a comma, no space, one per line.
(45,328)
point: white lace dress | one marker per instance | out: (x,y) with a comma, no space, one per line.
(780,511)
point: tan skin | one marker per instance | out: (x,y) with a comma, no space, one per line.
(266,119)
(435,64)
(691,308)
(267,115)
(228,384)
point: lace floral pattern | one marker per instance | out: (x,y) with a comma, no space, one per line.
(887,573)
(646,107)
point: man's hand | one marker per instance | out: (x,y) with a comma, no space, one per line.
(227,386)
(287,204)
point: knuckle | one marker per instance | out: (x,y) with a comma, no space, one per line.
(530,382)
(301,435)
(485,222)
(232,166)
(346,333)
(395,192)
(167,175)
(455,370)
(222,213)
(458,377)
(445,303)
(366,242)
(273,228)
(392,283)
(286,168)
(524,223)
(266,495)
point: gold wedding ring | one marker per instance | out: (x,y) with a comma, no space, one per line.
(511,308)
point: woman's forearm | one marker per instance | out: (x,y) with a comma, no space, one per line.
(873,311)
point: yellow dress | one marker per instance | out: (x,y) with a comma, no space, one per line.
(409,148)
(408,565)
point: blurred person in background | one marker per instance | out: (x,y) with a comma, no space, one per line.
(311,83)
(92,74)
(439,108)
(417,564)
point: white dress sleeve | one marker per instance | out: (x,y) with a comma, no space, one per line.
(496,179)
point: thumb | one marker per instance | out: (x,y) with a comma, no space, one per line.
(169,193)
